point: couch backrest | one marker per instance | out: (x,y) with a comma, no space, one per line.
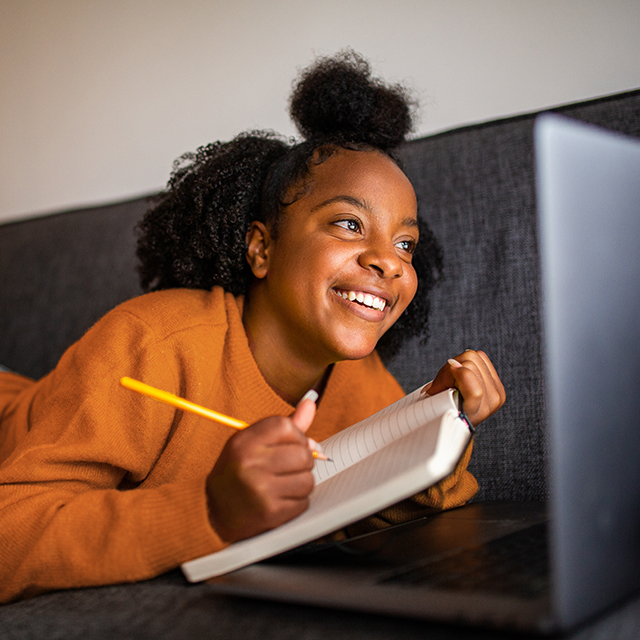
(475,186)
(58,275)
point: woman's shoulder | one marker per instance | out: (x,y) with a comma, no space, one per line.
(171,310)
(176,300)
(162,320)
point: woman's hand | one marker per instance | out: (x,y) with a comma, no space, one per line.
(475,377)
(263,476)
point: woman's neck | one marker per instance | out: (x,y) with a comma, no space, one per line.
(288,375)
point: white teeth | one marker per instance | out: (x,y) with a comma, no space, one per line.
(366,299)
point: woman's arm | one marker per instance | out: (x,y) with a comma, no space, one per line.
(72,510)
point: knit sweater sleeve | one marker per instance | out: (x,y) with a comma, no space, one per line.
(66,518)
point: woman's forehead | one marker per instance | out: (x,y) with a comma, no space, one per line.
(370,176)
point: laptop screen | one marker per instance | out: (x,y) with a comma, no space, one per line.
(588,188)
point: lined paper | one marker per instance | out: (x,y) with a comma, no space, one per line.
(372,434)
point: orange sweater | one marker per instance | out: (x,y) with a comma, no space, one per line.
(100,485)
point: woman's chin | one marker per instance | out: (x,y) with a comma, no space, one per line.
(356,350)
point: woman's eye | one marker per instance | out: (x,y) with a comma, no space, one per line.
(349,224)
(406,245)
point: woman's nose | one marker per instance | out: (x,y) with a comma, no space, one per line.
(383,259)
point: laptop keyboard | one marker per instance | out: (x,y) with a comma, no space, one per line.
(516,564)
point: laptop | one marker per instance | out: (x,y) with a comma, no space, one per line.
(580,552)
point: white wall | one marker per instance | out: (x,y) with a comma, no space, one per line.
(97,97)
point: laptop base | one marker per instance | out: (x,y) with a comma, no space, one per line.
(361,573)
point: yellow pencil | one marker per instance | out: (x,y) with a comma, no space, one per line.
(181,403)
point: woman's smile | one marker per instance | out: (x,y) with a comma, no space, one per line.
(363,298)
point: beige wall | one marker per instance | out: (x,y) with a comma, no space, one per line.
(97,97)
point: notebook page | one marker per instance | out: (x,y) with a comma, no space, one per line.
(368,436)
(365,475)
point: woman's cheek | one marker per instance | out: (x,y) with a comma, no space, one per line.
(411,284)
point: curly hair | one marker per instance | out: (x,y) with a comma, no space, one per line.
(194,234)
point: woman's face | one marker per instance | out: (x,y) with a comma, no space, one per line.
(339,273)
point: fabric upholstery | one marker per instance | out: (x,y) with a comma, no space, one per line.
(58,275)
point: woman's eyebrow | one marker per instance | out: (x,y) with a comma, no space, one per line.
(352,200)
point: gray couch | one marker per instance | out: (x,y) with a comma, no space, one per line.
(475,186)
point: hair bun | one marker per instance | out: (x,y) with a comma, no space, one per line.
(336,99)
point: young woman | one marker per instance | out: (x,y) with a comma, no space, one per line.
(274,268)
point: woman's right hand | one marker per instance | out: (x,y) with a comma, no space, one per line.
(263,477)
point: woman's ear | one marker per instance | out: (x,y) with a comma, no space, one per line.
(258,242)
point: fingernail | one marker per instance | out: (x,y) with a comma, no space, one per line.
(425,389)
(454,363)
(312,395)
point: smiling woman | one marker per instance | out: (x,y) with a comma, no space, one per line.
(352,233)
(272,269)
